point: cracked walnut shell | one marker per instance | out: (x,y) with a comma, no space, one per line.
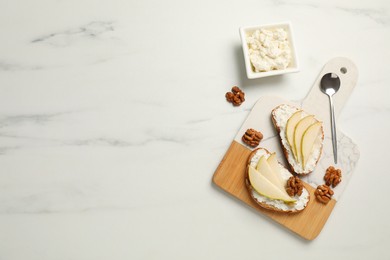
(294,186)
(252,137)
(323,193)
(236,97)
(332,176)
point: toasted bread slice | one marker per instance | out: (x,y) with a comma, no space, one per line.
(274,204)
(280,116)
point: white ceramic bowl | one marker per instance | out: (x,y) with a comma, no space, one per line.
(248,30)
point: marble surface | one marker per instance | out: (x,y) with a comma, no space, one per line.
(113,121)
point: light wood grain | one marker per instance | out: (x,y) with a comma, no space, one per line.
(230,176)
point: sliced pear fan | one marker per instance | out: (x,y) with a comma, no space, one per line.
(264,187)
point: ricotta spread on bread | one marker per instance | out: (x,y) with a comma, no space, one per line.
(275,204)
(280,117)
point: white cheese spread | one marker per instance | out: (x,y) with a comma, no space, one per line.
(301,200)
(269,49)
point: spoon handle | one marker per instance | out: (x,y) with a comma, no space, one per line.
(333,125)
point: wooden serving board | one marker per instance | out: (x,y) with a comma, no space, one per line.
(230,173)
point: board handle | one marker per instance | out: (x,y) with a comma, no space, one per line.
(318,103)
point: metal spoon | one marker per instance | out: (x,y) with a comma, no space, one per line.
(330,84)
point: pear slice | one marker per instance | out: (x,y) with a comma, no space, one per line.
(300,128)
(274,177)
(309,138)
(290,127)
(264,187)
(275,167)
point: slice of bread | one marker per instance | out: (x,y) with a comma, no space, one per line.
(273,204)
(280,116)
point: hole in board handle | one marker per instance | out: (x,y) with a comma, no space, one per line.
(343,70)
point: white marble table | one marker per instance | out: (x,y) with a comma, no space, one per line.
(113,121)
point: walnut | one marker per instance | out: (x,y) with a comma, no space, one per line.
(323,193)
(236,97)
(252,137)
(294,186)
(332,176)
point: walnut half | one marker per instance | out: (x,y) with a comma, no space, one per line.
(236,97)
(323,193)
(294,186)
(252,137)
(332,176)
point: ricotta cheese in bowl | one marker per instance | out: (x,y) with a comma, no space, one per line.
(268,50)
